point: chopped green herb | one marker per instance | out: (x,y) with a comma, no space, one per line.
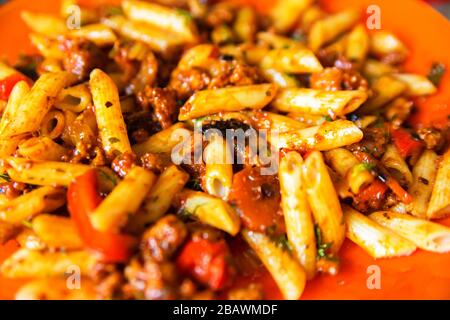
(322,248)
(194,184)
(283,242)
(107,177)
(328,118)
(5,177)
(113,11)
(186,14)
(436,73)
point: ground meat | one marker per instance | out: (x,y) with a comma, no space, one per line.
(147,74)
(374,141)
(163,103)
(162,239)
(141,125)
(151,280)
(108,280)
(12,189)
(82,57)
(398,111)
(187,82)
(155,162)
(233,73)
(433,138)
(334,79)
(123,163)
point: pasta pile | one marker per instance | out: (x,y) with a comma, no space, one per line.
(89,181)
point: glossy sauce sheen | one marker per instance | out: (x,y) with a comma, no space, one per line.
(422,275)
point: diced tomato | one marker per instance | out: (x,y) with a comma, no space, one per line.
(207,262)
(374,191)
(257,198)
(83,198)
(405,143)
(8,83)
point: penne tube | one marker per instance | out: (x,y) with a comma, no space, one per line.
(312,14)
(111,126)
(7,231)
(383,43)
(208,102)
(416,85)
(324,201)
(276,41)
(424,234)
(329,135)
(159,199)
(210,210)
(6,70)
(199,56)
(28,239)
(163,141)
(9,145)
(396,165)
(26,110)
(376,240)
(439,205)
(325,30)
(26,263)
(281,79)
(318,102)
(308,119)
(291,60)
(245,24)
(157,39)
(44,24)
(424,175)
(218,177)
(276,122)
(285,270)
(41,148)
(355,174)
(53,173)
(167,19)
(22,208)
(296,211)
(357,44)
(113,213)
(76,98)
(374,69)
(97,33)
(57,232)
(56,289)
(48,47)
(385,90)
(286,13)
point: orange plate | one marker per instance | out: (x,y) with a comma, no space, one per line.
(423,275)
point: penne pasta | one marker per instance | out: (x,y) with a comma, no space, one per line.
(329,135)
(439,205)
(56,289)
(357,44)
(218,176)
(324,201)
(41,148)
(424,234)
(276,41)
(276,122)
(317,102)
(76,98)
(111,126)
(7,231)
(45,24)
(374,69)
(416,85)
(22,208)
(26,263)
(113,213)
(383,43)
(159,199)
(325,30)
(287,12)
(157,39)
(296,211)
(26,110)
(285,270)
(52,173)
(6,70)
(9,145)
(167,19)
(423,179)
(396,165)
(98,33)
(163,141)
(208,102)
(49,48)
(376,240)
(245,24)
(291,60)
(28,239)
(57,232)
(281,79)
(210,210)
